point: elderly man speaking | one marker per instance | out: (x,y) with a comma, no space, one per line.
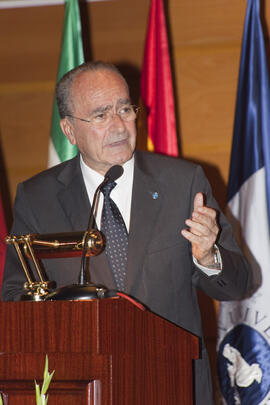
(172,237)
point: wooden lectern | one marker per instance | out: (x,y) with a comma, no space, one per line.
(104,352)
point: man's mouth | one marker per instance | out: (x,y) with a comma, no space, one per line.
(117,142)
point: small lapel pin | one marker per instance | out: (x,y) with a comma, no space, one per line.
(155,195)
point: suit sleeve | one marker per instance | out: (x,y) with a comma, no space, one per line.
(235,279)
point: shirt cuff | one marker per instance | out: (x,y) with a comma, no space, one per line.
(212,269)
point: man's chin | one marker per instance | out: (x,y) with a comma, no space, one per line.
(120,159)
(120,153)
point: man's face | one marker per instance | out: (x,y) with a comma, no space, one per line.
(100,147)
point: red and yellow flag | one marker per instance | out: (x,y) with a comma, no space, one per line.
(156,85)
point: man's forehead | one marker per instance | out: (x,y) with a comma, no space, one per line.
(98,82)
(96,91)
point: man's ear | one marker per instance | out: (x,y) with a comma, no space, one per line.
(68,130)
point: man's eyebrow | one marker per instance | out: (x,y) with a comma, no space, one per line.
(103,108)
(123,101)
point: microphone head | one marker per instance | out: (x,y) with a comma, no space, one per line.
(114,173)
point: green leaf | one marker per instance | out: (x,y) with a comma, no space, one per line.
(46,367)
(1,401)
(38,398)
(46,383)
(41,398)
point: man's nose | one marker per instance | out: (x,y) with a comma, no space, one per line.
(117,121)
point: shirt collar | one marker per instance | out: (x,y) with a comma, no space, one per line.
(92,178)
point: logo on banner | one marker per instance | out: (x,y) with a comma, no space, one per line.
(244,366)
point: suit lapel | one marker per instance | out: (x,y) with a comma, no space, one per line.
(75,203)
(146,203)
(73,196)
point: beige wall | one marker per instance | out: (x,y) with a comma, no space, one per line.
(205,38)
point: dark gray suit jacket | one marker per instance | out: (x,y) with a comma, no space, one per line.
(160,270)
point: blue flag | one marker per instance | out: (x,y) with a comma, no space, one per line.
(244,326)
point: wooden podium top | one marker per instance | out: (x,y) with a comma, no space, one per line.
(100,326)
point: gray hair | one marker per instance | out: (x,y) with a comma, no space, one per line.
(63,87)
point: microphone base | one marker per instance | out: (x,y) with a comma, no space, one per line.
(80,292)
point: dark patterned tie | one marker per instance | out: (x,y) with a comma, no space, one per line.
(114,229)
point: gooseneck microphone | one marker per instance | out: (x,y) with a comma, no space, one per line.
(112,174)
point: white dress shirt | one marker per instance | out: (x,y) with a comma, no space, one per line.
(121,194)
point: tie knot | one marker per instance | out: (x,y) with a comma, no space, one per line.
(107,188)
